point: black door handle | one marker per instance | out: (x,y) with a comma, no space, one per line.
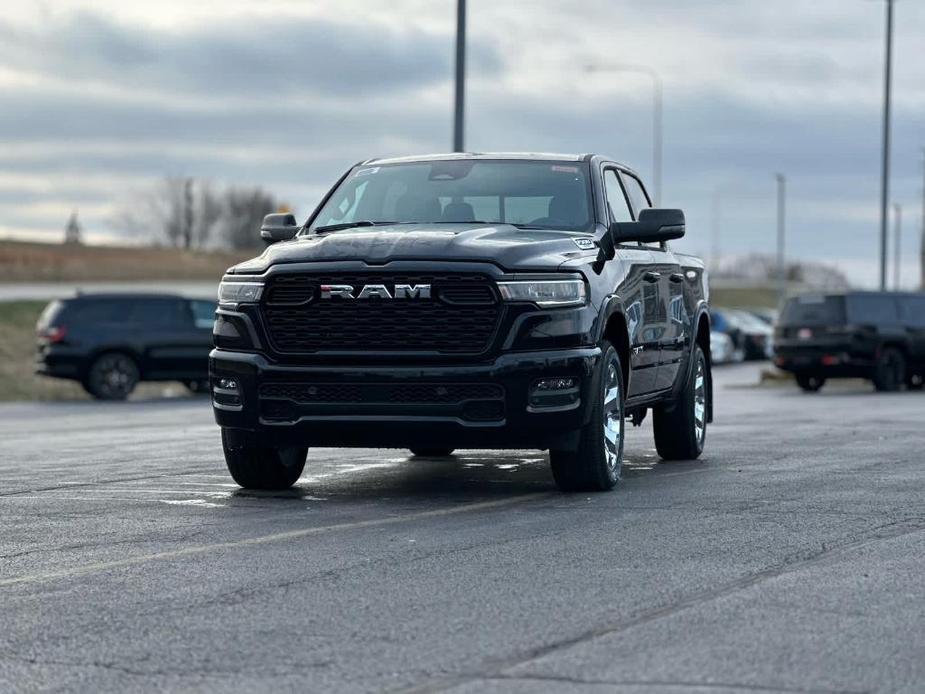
(676,277)
(652,276)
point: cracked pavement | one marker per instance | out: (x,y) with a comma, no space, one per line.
(789,559)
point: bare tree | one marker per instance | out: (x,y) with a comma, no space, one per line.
(181,212)
(244,209)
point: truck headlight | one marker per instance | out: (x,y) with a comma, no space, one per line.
(546,293)
(239,292)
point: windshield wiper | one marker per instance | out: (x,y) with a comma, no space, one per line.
(351,225)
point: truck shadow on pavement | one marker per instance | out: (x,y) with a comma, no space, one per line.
(466,476)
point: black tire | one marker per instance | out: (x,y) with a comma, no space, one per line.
(432,452)
(810,383)
(111,376)
(681,427)
(254,465)
(197,387)
(890,370)
(596,465)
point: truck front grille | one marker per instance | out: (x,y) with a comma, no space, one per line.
(460,317)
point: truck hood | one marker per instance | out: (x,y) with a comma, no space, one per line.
(504,245)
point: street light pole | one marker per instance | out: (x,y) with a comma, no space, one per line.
(460,112)
(922,249)
(781,231)
(885,171)
(897,243)
(658,125)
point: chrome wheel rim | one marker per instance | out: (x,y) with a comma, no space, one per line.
(613,419)
(700,403)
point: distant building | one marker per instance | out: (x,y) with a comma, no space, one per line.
(72,230)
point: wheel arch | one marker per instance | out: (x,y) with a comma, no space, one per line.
(115,349)
(614,330)
(702,340)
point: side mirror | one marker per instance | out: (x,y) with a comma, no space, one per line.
(278,227)
(654,225)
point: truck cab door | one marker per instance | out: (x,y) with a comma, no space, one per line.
(668,323)
(640,291)
(674,323)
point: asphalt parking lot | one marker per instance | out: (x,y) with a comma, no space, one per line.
(789,559)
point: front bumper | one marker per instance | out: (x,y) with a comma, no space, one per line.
(486,405)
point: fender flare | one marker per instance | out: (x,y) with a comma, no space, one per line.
(610,307)
(702,311)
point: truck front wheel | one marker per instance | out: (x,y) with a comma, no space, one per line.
(596,465)
(255,465)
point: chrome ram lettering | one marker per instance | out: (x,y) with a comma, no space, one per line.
(342,291)
(374,290)
(379,291)
(412,291)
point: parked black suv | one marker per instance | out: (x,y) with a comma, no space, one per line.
(465,300)
(879,336)
(110,342)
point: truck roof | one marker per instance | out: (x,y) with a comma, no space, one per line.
(514,156)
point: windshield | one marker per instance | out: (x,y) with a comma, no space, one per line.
(537,194)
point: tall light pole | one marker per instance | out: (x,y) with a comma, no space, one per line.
(460,112)
(897,243)
(658,96)
(781,231)
(922,250)
(885,170)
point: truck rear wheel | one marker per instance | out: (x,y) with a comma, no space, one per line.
(596,465)
(255,465)
(681,428)
(890,371)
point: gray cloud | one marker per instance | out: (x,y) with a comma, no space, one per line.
(289,102)
(257,58)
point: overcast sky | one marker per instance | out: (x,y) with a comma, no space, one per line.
(100,99)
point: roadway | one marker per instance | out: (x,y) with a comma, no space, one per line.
(789,559)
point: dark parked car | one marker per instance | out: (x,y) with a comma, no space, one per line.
(110,342)
(465,301)
(879,336)
(750,336)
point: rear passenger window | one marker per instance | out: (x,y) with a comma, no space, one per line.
(101,311)
(912,311)
(872,309)
(163,312)
(616,201)
(203,313)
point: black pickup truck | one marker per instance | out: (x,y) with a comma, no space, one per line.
(465,301)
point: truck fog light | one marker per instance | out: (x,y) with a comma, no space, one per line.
(226,393)
(553,394)
(555,384)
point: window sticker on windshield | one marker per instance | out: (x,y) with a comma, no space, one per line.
(564,169)
(367,172)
